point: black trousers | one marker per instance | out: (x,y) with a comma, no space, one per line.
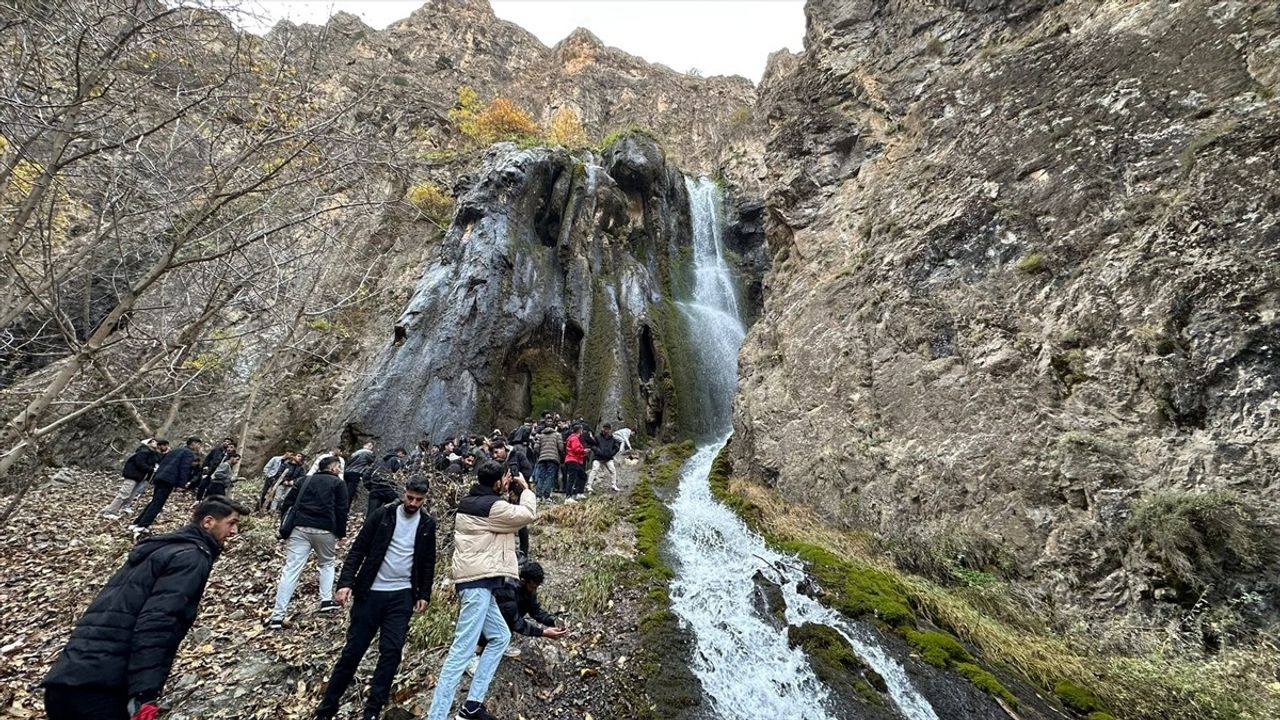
(352,479)
(575,479)
(386,614)
(159,496)
(379,495)
(62,702)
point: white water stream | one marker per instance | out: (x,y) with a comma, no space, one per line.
(746,666)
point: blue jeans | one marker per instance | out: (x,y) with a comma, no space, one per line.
(479,613)
(544,477)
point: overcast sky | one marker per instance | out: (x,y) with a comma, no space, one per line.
(718,37)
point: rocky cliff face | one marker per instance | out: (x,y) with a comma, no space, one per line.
(1025,286)
(553,290)
(304,339)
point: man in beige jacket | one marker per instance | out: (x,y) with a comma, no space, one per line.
(484,556)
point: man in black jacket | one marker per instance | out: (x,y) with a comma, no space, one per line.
(606,449)
(176,469)
(137,472)
(518,602)
(120,653)
(389,570)
(315,517)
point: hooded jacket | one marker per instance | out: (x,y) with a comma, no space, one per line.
(141,464)
(127,639)
(549,446)
(360,569)
(484,541)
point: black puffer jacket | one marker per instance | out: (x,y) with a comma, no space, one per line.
(141,464)
(517,603)
(128,637)
(370,548)
(323,505)
(607,447)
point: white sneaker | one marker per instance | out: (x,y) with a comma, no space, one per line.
(471,666)
(512,652)
(569,500)
(615,488)
(111,516)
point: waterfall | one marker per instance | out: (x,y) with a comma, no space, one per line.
(745,665)
(711,312)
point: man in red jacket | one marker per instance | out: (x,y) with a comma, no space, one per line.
(575,459)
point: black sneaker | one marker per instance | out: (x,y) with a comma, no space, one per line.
(274,624)
(478,714)
(329,606)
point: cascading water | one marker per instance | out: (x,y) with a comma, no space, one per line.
(745,665)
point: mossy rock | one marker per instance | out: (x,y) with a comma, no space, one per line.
(937,648)
(1100,716)
(1078,698)
(833,660)
(854,589)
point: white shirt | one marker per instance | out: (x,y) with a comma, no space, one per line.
(397,566)
(315,466)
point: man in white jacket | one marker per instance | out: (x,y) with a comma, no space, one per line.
(484,556)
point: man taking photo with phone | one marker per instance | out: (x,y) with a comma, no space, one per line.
(484,557)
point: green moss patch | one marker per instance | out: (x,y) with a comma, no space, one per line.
(550,385)
(854,589)
(834,661)
(1078,698)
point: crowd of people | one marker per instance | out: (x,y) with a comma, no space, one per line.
(120,653)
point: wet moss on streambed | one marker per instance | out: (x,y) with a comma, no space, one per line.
(673,690)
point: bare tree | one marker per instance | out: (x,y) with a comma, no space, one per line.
(176,171)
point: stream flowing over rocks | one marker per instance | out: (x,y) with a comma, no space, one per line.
(951,350)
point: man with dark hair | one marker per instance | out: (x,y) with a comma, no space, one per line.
(548,451)
(522,434)
(483,558)
(389,571)
(225,475)
(518,602)
(175,470)
(575,458)
(381,482)
(121,651)
(606,449)
(314,518)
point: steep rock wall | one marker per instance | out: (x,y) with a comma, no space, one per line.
(552,291)
(1025,278)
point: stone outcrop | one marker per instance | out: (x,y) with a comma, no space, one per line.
(1025,278)
(553,290)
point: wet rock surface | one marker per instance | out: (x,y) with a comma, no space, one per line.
(552,290)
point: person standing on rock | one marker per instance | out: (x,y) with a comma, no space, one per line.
(315,518)
(606,449)
(121,651)
(548,451)
(389,572)
(137,472)
(484,557)
(175,470)
(362,462)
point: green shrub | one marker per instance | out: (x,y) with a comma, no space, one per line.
(1198,537)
